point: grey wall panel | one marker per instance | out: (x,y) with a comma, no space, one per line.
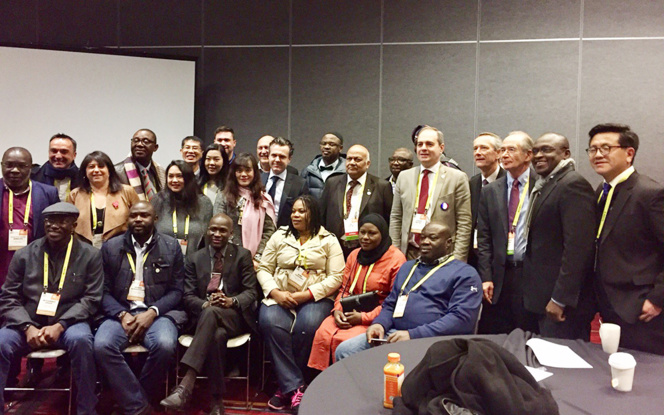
(334,89)
(241,22)
(160,22)
(430,20)
(622,82)
(246,89)
(19,21)
(623,18)
(336,21)
(530,19)
(429,84)
(530,87)
(69,23)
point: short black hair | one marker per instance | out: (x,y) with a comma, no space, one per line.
(626,138)
(224,128)
(281,141)
(338,135)
(65,136)
(191,138)
(114,183)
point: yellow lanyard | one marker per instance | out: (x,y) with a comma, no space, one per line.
(205,186)
(26,216)
(357,276)
(608,204)
(64,267)
(175,225)
(518,209)
(432,187)
(344,203)
(131,261)
(302,256)
(426,277)
(94,212)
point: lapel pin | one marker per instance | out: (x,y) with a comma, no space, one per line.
(444,206)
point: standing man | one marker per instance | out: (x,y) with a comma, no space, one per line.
(60,170)
(501,238)
(629,264)
(139,170)
(486,152)
(557,267)
(225,136)
(281,184)
(143,284)
(402,159)
(53,289)
(432,192)
(21,205)
(329,163)
(191,149)
(263,153)
(347,198)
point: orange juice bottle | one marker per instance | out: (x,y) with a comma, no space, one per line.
(393,378)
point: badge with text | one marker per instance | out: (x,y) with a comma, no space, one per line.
(351,230)
(400,307)
(48,304)
(419,222)
(183,246)
(510,243)
(136,291)
(17,239)
(298,278)
(97,241)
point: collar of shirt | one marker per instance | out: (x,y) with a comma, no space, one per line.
(361,180)
(214,251)
(434,169)
(27,189)
(493,176)
(281,175)
(137,247)
(435,261)
(321,164)
(522,179)
(141,167)
(621,176)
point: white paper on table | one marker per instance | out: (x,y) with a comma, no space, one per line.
(538,374)
(556,355)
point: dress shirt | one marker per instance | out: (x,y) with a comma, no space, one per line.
(356,197)
(493,176)
(393,182)
(620,177)
(329,169)
(520,240)
(279,191)
(140,252)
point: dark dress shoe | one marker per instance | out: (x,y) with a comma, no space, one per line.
(178,399)
(217,409)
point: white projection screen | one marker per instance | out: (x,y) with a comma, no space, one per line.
(100,100)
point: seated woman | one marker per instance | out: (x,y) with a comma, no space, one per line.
(251,209)
(300,273)
(102,200)
(214,170)
(183,212)
(372,267)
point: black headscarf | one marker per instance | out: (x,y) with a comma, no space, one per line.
(369,257)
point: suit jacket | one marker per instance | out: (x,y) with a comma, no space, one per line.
(452,189)
(561,239)
(294,187)
(156,172)
(377,198)
(239,279)
(43,196)
(475,193)
(630,258)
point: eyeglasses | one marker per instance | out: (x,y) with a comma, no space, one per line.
(12,166)
(145,141)
(398,160)
(603,149)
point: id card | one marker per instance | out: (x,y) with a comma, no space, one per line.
(400,307)
(17,239)
(510,243)
(97,241)
(183,246)
(351,229)
(298,278)
(48,304)
(419,222)
(136,291)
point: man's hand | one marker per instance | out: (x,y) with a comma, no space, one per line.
(375,331)
(283,298)
(340,319)
(398,336)
(51,334)
(142,323)
(128,324)
(649,311)
(354,318)
(219,299)
(487,288)
(34,339)
(554,312)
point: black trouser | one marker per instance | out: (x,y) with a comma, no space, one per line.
(508,312)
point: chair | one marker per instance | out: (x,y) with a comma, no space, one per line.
(49,354)
(185,341)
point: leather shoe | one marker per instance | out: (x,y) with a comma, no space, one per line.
(217,409)
(178,399)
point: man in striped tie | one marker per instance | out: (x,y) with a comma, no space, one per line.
(138,170)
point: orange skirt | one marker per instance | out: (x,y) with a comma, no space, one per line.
(328,337)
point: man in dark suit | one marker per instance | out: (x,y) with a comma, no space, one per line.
(139,170)
(401,159)
(346,198)
(281,184)
(501,240)
(263,156)
(629,263)
(220,296)
(486,152)
(557,268)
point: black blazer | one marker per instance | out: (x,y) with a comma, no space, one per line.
(377,198)
(560,251)
(239,281)
(630,258)
(294,187)
(475,193)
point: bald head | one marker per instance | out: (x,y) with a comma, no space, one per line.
(263,151)
(357,161)
(141,221)
(16,164)
(219,231)
(435,241)
(549,150)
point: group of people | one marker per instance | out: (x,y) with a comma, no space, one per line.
(322,264)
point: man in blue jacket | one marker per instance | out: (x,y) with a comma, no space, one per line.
(434,295)
(143,286)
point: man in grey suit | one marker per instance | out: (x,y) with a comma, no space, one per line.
(347,198)
(430,192)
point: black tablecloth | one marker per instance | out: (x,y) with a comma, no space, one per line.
(355,384)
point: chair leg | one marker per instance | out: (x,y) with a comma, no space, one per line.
(246,400)
(71,389)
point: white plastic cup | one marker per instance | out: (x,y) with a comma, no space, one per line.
(609,333)
(622,371)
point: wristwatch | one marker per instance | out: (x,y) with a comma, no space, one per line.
(236,303)
(26,326)
(121,314)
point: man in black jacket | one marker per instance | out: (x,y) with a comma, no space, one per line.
(60,170)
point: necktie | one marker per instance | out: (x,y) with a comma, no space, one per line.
(323,168)
(218,266)
(605,191)
(484,182)
(514,202)
(273,190)
(349,195)
(150,190)
(424,192)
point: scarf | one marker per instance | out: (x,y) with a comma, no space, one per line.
(369,257)
(52,174)
(134,177)
(253,219)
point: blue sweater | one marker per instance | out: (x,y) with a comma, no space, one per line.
(447,303)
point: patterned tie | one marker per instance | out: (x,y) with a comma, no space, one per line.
(218,266)
(485,182)
(150,190)
(349,195)
(422,201)
(514,202)
(273,190)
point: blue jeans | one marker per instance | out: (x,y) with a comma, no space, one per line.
(77,340)
(355,345)
(132,394)
(290,349)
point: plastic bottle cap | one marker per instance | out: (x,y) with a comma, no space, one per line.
(393,357)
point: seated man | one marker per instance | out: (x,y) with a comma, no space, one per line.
(435,295)
(143,284)
(221,290)
(53,288)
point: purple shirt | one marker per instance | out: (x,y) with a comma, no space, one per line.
(19,212)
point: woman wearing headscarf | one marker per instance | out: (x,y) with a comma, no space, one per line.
(372,267)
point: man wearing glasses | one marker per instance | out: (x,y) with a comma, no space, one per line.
(629,259)
(138,170)
(330,162)
(402,159)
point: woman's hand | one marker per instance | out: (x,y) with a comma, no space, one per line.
(354,318)
(283,298)
(302,296)
(341,320)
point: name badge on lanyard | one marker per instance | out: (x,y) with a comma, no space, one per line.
(351,229)
(48,304)
(136,291)
(183,246)
(18,238)
(400,307)
(97,241)
(419,222)
(511,236)
(298,278)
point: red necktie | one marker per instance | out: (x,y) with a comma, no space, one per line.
(349,196)
(514,202)
(422,201)
(213,285)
